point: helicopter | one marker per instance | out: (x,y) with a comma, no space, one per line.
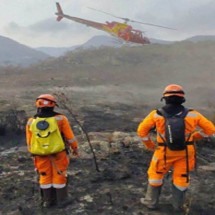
(123,31)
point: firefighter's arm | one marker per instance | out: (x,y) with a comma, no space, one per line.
(69,136)
(198,135)
(207,128)
(28,132)
(144,129)
(74,146)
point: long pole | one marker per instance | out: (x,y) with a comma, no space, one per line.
(69,109)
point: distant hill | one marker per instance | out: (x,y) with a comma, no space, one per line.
(56,51)
(94,42)
(99,41)
(157,41)
(14,53)
(108,41)
(201,38)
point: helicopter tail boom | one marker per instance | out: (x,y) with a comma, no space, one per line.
(59,12)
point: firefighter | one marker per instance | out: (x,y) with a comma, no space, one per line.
(180,162)
(51,167)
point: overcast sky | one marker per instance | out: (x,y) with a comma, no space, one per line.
(33,22)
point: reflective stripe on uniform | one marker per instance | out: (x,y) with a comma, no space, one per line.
(58,117)
(156,181)
(180,187)
(45,186)
(203,134)
(192,114)
(59,185)
(154,158)
(145,139)
(72,140)
(29,122)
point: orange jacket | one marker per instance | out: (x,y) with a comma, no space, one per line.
(64,128)
(193,121)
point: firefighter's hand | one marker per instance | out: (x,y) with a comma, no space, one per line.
(75,152)
(150,145)
(197,136)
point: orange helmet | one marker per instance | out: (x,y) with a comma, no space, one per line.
(46,100)
(173,90)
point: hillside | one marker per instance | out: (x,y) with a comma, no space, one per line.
(201,38)
(94,42)
(135,74)
(14,53)
(108,41)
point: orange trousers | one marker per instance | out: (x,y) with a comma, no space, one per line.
(164,160)
(52,169)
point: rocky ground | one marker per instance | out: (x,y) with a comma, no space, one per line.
(114,184)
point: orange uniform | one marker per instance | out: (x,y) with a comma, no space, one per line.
(50,155)
(177,128)
(163,158)
(52,168)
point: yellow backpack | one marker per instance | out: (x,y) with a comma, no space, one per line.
(46,137)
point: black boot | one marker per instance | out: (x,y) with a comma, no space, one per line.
(48,197)
(178,199)
(152,197)
(62,197)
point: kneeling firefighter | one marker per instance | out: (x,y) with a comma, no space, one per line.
(170,154)
(50,139)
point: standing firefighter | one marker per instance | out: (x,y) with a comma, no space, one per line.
(176,128)
(50,139)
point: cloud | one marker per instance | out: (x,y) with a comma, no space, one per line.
(200,17)
(188,17)
(49,32)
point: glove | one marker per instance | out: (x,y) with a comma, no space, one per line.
(150,145)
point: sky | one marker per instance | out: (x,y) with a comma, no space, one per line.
(33,22)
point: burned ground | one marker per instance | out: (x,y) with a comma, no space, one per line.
(117,184)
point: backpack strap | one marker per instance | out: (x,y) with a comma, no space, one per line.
(163,113)
(184,113)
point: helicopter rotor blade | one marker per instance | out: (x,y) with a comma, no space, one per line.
(144,23)
(125,19)
(103,12)
(130,20)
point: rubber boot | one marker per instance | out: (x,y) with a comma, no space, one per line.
(151,199)
(62,197)
(178,199)
(48,197)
